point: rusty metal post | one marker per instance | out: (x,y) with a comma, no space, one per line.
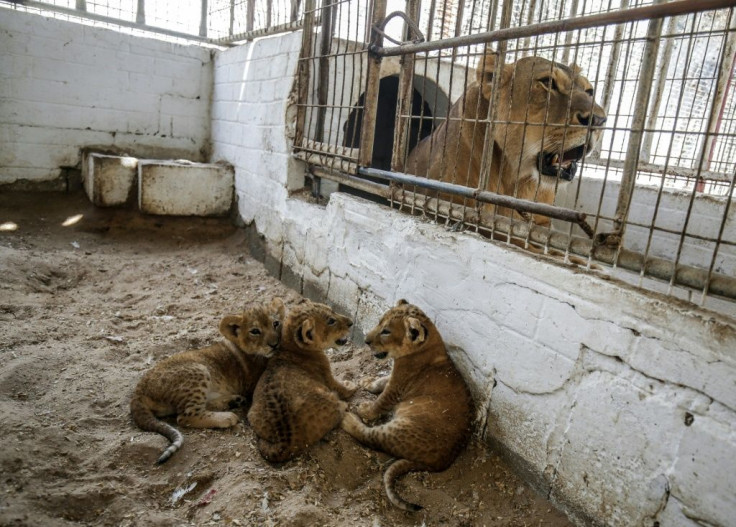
(231,31)
(250,15)
(140,13)
(368,126)
(303,72)
(641,105)
(403,102)
(324,68)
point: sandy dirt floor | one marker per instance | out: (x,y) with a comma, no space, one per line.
(88,303)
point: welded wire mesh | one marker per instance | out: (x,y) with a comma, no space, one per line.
(656,186)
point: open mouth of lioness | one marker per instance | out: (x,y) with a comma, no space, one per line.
(381,354)
(565,166)
(341,341)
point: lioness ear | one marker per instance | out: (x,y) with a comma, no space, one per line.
(415,331)
(230,327)
(401,302)
(305,332)
(277,306)
(486,70)
(575,69)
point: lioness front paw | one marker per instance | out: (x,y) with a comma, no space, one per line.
(374,384)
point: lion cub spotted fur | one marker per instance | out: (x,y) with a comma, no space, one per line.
(428,398)
(297,401)
(199,385)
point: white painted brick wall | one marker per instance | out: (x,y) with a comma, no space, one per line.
(588,383)
(65,86)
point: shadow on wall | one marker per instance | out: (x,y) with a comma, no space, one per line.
(428,103)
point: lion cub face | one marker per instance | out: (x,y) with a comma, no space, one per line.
(316,327)
(403,330)
(257,331)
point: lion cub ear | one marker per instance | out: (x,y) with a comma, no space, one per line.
(277,306)
(305,332)
(401,302)
(575,69)
(415,331)
(230,327)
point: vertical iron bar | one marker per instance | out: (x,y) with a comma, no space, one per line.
(529,19)
(725,70)
(231,31)
(303,72)
(324,68)
(487,155)
(81,5)
(569,36)
(140,14)
(250,15)
(403,101)
(368,127)
(664,64)
(641,104)
(203,19)
(268,13)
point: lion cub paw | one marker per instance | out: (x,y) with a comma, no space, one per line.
(348,389)
(374,384)
(366,412)
(351,424)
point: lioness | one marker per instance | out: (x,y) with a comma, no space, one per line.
(546,122)
(197,385)
(297,401)
(430,404)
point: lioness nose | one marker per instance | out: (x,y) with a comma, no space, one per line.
(350,323)
(590,119)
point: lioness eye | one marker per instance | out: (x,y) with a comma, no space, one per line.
(386,332)
(590,91)
(549,82)
(276,323)
(255,331)
(331,321)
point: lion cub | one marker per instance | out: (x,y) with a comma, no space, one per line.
(431,404)
(297,401)
(197,385)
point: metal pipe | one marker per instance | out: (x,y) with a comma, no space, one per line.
(479,195)
(656,11)
(641,106)
(368,123)
(383,191)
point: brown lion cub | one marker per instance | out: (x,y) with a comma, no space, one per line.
(198,385)
(430,402)
(297,401)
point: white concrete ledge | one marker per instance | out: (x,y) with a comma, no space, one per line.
(181,188)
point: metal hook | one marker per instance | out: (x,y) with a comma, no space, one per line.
(379,29)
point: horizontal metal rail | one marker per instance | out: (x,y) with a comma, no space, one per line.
(636,14)
(684,275)
(113,21)
(484,196)
(257,33)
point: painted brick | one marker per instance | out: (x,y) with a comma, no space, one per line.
(109,181)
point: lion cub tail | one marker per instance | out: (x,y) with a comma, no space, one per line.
(393,472)
(146,420)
